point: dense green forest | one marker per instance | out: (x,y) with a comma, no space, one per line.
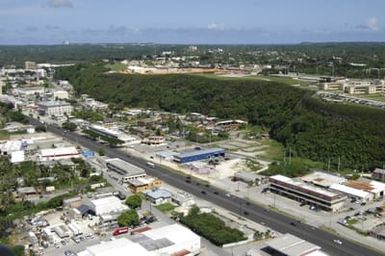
(313,58)
(351,135)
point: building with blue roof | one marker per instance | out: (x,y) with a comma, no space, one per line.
(199,155)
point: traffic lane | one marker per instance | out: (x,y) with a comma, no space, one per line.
(312,234)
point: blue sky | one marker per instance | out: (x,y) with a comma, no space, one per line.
(190,21)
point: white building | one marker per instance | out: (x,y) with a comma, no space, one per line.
(362,189)
(165,241)
(300,191)
(54,108)
(352,192)
(154,140)
(127,170)
(50,154)
(114,134)
(60,95)
(107,205)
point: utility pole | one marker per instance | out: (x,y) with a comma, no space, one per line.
(328,164)
(339,163)
(289,155)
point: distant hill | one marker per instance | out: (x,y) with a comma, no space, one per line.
(311,128)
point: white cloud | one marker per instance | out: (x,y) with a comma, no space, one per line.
(60,3)
(215,26)
(371,25)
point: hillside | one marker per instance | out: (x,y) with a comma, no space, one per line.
(311,128)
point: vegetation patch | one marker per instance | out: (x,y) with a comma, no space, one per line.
(166,207)
(211,227)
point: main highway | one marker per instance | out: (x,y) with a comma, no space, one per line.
(246,209)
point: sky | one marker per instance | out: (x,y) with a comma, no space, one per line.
(191,21)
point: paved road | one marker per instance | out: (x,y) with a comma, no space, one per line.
(259,214)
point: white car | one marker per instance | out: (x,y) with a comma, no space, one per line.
(337,241)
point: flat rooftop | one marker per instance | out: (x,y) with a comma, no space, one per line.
(304,186)
(125,166)
(200,152)
(323,179)
(53,103)
(291,245)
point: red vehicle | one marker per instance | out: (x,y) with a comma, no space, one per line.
(120,231)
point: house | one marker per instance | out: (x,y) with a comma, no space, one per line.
(158,196)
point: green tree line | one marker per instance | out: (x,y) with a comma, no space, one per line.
(347,135)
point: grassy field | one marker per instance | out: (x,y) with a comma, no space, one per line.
(166,207)
(378,97)
(4,135)
(273,150)
(285,80)
(116,66)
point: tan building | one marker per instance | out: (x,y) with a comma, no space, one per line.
(143,184)
(154,140)
(30,65)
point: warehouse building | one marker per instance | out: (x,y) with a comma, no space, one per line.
(309,194)
(169,240)
(363,190)
(199,155)
(127,170)
(290,245)
(51,154)
(106,205)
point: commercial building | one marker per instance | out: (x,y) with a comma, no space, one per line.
(54,108)
(10,146)
(113,134)
(154,140)
(199,155)
(364,86)
(290,245)
(127,170)
(172,240)
(332,86)
(106,205)
(352,192)
(182,198)
(142,184)
(323,179)
(51,154)
(158,196)
(297,190)
(375,189)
